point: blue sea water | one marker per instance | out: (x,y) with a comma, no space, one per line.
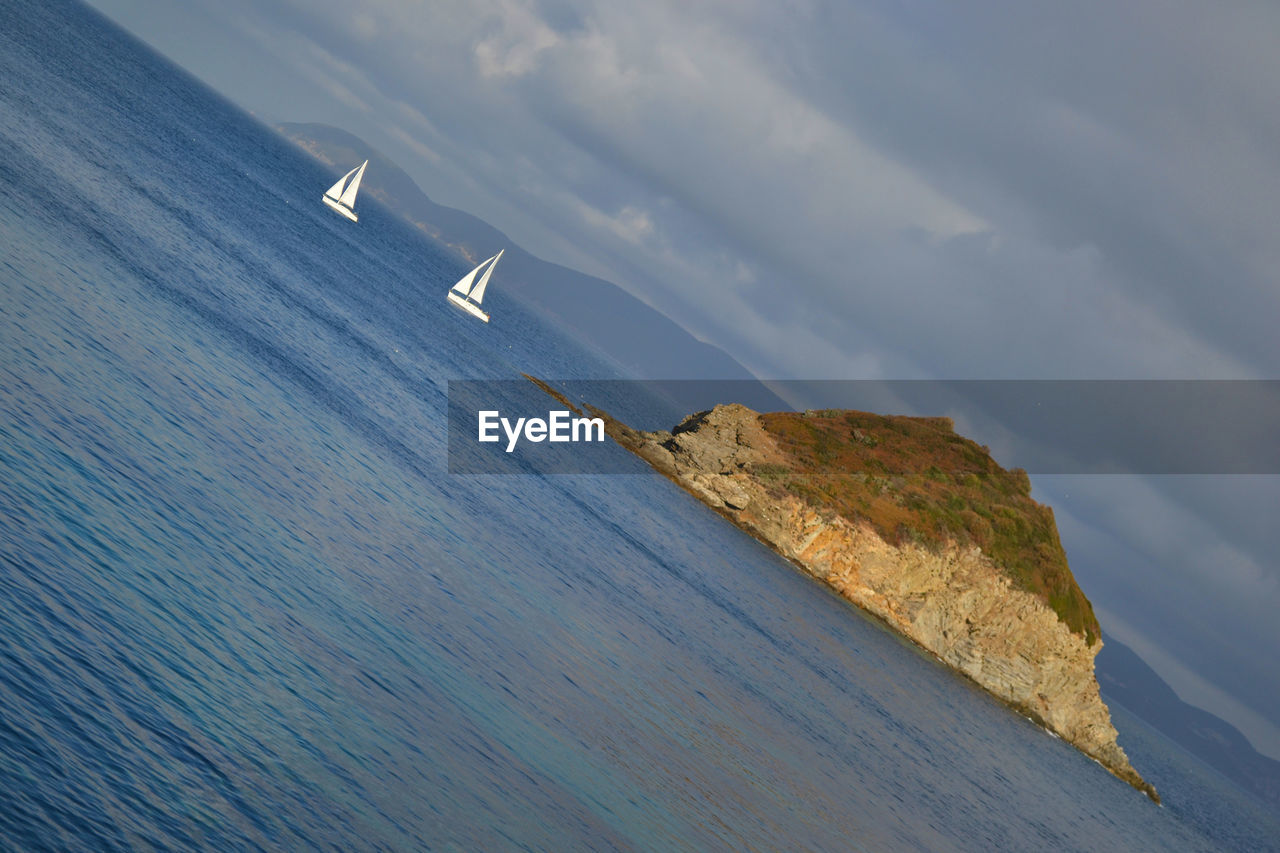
(243,605)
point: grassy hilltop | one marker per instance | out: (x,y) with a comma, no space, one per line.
(915,480)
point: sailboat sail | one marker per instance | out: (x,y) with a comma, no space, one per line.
(343,199)
(349,194)
(478,293)
(464,284)
(335,191)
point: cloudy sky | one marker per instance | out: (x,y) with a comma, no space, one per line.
(852,189)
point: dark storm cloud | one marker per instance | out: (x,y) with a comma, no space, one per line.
(1143,132)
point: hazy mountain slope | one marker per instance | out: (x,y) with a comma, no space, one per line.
(605,316)
(1125,678)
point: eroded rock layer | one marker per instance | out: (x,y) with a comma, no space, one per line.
(948,596)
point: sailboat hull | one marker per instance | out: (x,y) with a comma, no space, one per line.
(470,307)
(340,207)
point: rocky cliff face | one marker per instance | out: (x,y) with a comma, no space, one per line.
(948,597)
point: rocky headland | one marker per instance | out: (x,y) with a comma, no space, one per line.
(918,526)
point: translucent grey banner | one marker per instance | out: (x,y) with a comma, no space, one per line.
(1042,426)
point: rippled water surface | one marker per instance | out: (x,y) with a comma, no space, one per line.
(243,604)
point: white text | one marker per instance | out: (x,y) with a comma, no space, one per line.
(560,425)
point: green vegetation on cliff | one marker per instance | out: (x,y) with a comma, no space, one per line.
(915,480)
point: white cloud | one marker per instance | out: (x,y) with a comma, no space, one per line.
(364,27)
(701,115)
(516,48)
(631,224)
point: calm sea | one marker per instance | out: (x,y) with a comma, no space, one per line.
(243,605)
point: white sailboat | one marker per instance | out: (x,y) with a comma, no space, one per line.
(342,195)
(467,297)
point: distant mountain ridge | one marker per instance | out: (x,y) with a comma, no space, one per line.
(1125,678)
(639,338)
